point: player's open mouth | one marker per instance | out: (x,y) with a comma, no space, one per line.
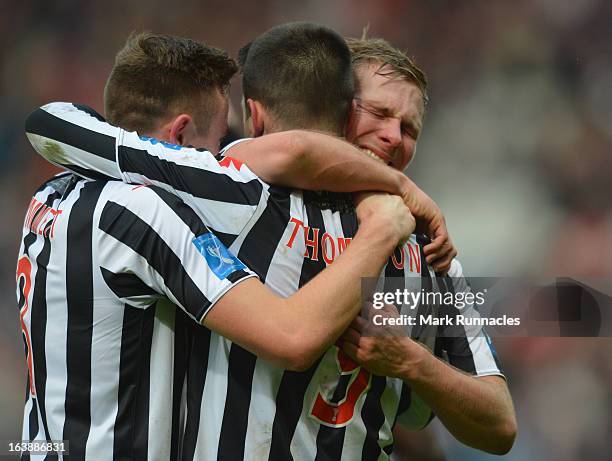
(371,154)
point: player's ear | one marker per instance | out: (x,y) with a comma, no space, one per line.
(181,129)
(351,119)
(256,121)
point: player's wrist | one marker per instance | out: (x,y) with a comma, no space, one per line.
(379,234)
(405,187)
(420,204)
(393,181)
(417,362)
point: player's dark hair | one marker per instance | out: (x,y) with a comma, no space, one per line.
(158,76)
(302,74)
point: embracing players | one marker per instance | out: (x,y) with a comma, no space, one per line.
(295,235)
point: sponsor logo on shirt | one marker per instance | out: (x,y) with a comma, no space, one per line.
(217,256)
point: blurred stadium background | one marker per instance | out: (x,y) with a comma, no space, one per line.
(517,150)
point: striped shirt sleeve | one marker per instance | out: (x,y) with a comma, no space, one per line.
(75,138)
(225,193)
(468,348)
(413,413)
(151,238)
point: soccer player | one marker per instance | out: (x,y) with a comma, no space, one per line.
(104,268)
(346,419)
(391,94)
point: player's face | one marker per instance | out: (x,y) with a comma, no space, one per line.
(388,116)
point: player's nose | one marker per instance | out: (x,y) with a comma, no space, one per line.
(390,133)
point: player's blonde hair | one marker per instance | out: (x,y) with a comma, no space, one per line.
(392,61)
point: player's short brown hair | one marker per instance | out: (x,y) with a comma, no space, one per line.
(156,76)
(392,61)
(302,73)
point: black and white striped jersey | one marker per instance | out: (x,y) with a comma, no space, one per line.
(108,277)
(243,407)
(228,189)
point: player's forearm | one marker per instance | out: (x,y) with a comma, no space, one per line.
(329,302)
(310,160)
(316,161)
(293,332)
(477,411)
(71,138)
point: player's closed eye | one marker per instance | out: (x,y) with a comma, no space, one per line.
(370,110)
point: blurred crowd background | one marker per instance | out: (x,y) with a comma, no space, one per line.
(516,149)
